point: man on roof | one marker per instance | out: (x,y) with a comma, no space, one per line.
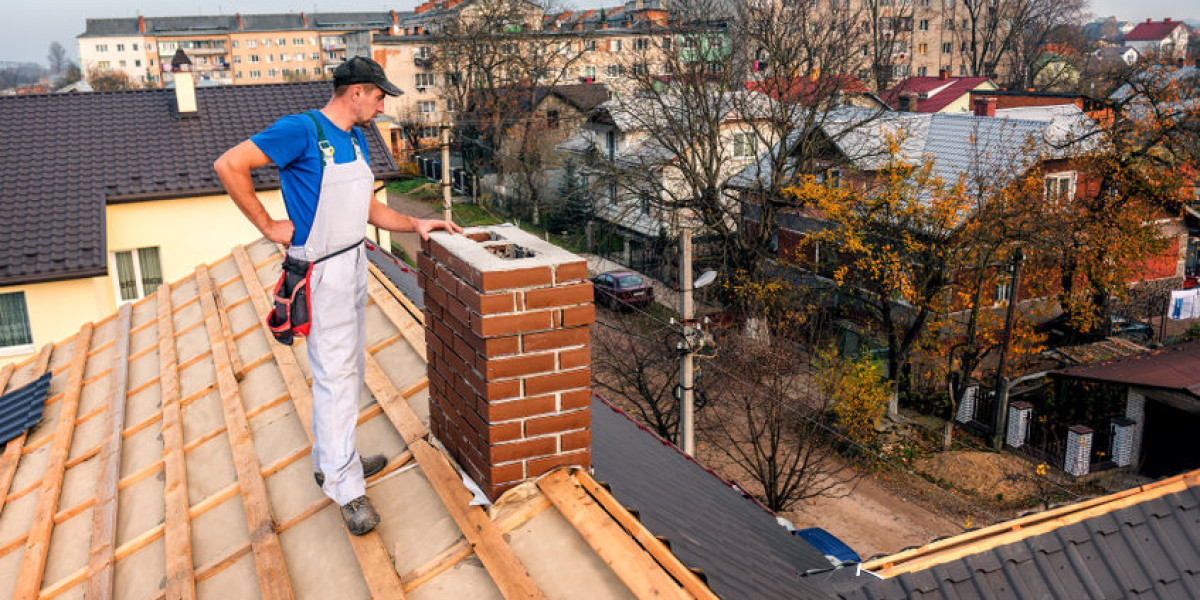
(327,190)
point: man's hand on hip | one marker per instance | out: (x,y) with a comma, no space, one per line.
(280,231)
(424,226)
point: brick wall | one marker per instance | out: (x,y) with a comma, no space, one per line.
(507,319)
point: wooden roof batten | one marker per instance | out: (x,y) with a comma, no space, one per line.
(202,325)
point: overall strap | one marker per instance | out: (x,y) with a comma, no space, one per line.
(323,145)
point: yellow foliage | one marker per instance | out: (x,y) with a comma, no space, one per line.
(858,392)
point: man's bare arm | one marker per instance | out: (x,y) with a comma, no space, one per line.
(234,169)
(386,218)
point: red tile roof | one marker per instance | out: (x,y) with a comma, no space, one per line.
(804,90)
(934,93)
(1175,368)
(1152,31)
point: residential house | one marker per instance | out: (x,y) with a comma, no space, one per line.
(199,485)
(1165,40)
(818,91)
(1141,542)
(228,49)
(1126,55)
(940,94)
(110,194)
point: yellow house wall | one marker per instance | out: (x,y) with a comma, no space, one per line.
(187,231)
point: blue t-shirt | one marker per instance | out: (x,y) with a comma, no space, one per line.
(291,143)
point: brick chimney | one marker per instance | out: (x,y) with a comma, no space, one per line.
(141,24)
(908,101)
(985,106)
(943,74)
(304,19)
(507,320)
(185,84)
(239,20)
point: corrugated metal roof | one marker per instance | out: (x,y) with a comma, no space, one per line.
(21,408)
(401,275)
(1175,368)
(1150,549)
(742,549)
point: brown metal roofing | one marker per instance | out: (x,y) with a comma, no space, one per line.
(198,483)
(1140,543)
(1174,368)
(65,155)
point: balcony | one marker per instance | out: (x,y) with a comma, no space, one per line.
(425,62)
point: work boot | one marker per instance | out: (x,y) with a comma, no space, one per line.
(371,465)
(359,515)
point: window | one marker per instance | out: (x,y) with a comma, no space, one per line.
(617,45)
(239,74)
(271,72)
(135,47)
(962,70)
(234,43)
(101,47)
(137,63)
(251,43)
(120,47)
(237,60)
(922,71)
(315,56)
(138,271)
(427,107)
(1060,186)
(255,74)
(425,80)
(666,44)
(299,56)
(1003,289)
(744,145)
(270,58)
(427,132)
(641,69)
(104,64)
(614,70)
(922,48)
(302,71)
(297,41)
(947,47)
(280,42)
(641,43)
(14,321)
(121,64)
(923,25)
(588,72)
(552,119)
(589,46)
(255,58)
(266,42)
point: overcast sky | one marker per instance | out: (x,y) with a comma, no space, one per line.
(28,26)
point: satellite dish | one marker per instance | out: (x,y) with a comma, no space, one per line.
(705,279)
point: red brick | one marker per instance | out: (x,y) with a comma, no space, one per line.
(575,399)
(500,390)
(577,357)
(495,491)
(486,304)
(543,446)
(542,384)
(578,315)
(559,338)
(504,432)
(520,408)
(570,271)
(439,252)
(576,440)
(578,419)
(493,325)
(563,295)
(479,236)
(515,278)
(424,264)
(500,346)
(539,466)
(458,310)
(517,366)
(447,280)
(508,472)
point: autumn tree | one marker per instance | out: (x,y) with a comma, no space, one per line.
(104,80)
(57,57)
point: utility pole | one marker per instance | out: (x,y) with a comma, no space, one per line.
(687,409)
(445,137)
(1001,416)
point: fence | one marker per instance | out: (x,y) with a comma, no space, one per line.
(462,182)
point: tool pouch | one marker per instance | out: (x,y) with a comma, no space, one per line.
(291,317)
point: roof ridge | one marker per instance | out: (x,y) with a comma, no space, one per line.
(1014,530)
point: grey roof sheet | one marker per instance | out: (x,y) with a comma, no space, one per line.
(128,26)
(21,408)
(738,544)
(66,155)
(1147,550)
(401,275)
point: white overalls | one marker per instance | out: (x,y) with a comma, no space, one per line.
(338,334)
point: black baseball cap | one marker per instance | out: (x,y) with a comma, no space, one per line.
(361,69)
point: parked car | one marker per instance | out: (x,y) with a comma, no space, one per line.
(619,288)
(835,550)
(1126,328)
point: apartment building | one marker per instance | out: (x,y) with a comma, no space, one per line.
(229,49)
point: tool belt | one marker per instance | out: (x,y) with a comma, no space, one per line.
(292,315)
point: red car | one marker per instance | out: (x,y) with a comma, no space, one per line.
(619,288)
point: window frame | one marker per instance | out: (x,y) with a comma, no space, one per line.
(135,257)
(26,348)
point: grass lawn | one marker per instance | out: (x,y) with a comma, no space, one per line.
(406,186)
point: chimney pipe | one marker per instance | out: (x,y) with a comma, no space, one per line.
(239,21)
(185,84)
(943,74)
(141,24)
(304,19)
(985,106)
(908,101)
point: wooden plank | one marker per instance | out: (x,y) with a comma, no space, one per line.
(181,578)
(104,517)
(373,559)
(273,580)
(412,309)
(632,565)
(37,544)
(394,403)
(235,357)
(497,557)
(634,527)
(413,332)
